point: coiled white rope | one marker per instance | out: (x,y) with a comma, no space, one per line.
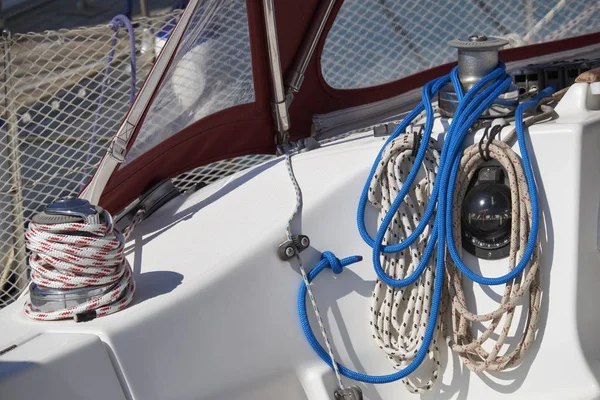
(81,255)
(399,315)
(459,337)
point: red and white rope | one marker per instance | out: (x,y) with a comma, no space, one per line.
(81,255)
(566,28)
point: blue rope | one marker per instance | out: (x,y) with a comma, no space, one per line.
(471,105)
(314,343)
(532,189)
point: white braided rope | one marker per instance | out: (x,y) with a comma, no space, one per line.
(547,18)
(80,255)
(528,285)
(399,315)
(288,230)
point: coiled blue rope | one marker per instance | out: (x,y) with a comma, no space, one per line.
(314,343)
(471,105)
(532,189)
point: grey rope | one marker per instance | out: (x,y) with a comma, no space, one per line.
(288,230)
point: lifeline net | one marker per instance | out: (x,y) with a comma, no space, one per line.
(52,136)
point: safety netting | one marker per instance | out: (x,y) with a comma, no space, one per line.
(212,172)
(375,42)
(64,94)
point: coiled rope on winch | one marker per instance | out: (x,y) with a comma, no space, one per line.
(86,254)
(77,255)
(433,238)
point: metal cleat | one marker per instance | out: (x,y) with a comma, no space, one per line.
(290,248)
(350,393)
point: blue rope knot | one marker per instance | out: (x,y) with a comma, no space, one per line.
(333,261)
(120,21)
(439,208)
(328,259)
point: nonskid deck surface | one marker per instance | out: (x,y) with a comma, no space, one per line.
(215,311)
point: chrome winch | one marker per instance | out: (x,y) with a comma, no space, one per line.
(477,57)
(486,208)
(64,211)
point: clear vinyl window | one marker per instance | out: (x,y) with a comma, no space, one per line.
(373,42)
(211,71)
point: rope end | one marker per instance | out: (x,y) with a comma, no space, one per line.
(86,316)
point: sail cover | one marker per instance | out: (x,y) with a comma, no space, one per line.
(208,95)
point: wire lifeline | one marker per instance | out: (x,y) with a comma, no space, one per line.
(471,106)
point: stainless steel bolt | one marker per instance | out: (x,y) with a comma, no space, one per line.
(304,242)
(289,251)
(478,38)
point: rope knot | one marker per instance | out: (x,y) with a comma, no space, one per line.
(120,21)
(333,261)
(336,264)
